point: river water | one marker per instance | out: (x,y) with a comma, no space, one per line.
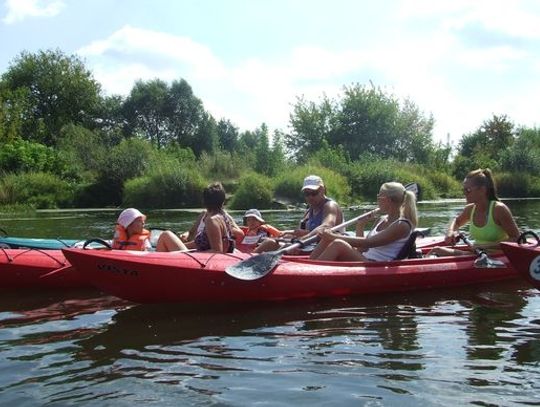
(476,346)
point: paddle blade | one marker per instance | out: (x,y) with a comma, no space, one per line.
(255,267)
(483,261)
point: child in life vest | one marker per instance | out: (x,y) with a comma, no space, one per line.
(129,233)
(255,229)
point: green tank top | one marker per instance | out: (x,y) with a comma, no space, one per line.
(490,232)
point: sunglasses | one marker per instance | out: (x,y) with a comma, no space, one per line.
(311,193)
(467,190)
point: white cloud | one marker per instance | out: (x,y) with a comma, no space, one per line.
(435,71)
(19,10)
(136,42)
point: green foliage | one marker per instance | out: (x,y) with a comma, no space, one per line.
(223,165)
(329,157)
(484,147)
(364,120)
(517,185)
(254,191)
(39,190)
(60,90)
(83,152)
(23,156)
(524,154)
(367,175)
(13,104)
(172,187)
(288,185)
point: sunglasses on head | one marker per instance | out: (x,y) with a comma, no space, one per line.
(311,192)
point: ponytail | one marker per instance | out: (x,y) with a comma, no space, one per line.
(484,178)
(408,208)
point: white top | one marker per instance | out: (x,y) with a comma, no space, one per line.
(389,251)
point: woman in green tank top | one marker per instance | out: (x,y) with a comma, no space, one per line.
(490,220)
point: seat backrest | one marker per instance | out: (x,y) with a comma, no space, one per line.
(408,251)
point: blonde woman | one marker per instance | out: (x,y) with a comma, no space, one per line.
(385,240)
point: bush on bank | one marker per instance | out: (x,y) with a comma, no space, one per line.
(254,191)
(172,187)
(37,189)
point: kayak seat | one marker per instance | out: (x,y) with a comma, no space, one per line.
(408,251)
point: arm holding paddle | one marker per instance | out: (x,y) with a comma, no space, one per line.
(490,220)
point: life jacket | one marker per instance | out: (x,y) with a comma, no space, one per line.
(135,242)
(252,237)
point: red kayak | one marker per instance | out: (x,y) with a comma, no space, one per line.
(525,258)
(23,268)
(150,277)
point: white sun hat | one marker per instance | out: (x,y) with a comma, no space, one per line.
(128,215)
(254,213)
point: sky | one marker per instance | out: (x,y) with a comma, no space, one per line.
(249,61)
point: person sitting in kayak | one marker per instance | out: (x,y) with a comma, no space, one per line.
(322,213)
(385,240)
(218,233)
(255,230)
(129,233)
(490,220)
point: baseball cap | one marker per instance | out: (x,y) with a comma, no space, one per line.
(127,217)
(312,182)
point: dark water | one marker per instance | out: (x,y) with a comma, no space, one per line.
(476,346)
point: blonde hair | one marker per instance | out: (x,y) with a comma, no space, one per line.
(397,193)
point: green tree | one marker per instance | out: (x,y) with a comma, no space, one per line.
(524,154)
(364,120)
(484,147)
(311,125)
(13,104)
(263,164)
(147,112)
(186,115)
(227,135)
(60,90)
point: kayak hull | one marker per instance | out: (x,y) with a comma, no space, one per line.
(24,269)
(525,259)
(7,242)
(147,277)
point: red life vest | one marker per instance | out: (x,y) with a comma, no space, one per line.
(135,242)
(252,237)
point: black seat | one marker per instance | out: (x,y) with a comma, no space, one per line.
(408,251)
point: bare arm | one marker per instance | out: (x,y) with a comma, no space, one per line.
(503,217)
(456,223)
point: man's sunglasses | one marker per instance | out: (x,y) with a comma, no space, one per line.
(311,192)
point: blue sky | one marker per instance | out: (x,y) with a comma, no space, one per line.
(248,61)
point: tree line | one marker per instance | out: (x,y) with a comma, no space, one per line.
(66,143)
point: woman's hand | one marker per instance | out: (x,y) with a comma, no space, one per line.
(451,239)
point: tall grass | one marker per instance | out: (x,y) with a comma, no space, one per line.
(36,189)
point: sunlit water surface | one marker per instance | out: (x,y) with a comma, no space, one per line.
(475,346)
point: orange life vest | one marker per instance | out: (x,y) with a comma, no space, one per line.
(135,242)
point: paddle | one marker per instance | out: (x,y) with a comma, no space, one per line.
(259,266)
(482,259)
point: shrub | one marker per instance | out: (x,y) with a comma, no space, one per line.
(517,185)
(172,187)
(254,191)
(288,185)
(40,190)
(25,156)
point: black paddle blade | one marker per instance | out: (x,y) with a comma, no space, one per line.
(483,261)
(255,267)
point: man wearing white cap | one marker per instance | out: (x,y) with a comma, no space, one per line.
(129,233)
(321,214)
